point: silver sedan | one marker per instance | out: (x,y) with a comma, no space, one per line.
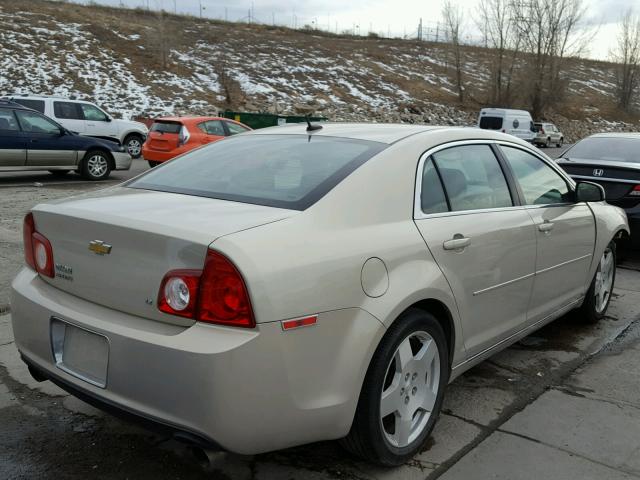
(299,284)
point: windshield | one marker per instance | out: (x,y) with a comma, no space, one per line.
(285,171)
(613,149)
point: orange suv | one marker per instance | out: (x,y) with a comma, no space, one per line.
(172,136)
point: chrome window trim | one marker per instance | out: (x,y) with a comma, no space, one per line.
(418,214)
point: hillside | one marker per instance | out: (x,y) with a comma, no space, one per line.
(134,62)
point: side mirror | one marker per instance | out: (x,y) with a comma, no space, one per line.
(589,192)
(63,131)
(108,119)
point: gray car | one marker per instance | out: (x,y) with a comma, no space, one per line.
(547,134)
(292,285)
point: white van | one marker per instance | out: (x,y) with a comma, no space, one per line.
(514,122)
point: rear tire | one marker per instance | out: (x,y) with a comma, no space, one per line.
(96,165)
(133,145)
(598,296)
(548,143)
(153,164)
(402,393)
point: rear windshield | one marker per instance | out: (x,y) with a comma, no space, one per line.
(491,123)
(166,127)
(37,105)
(284,171)
(613,149)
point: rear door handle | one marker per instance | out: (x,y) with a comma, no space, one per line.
(458,242)
(545,227)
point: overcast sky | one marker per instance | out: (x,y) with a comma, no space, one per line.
(398,17)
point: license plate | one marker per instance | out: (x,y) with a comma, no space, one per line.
(80,352)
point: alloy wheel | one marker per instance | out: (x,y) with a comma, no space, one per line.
(604,280)
(97,165)
(410,389)
(134,147)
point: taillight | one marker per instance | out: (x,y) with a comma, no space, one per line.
(183,136)
(179,292)
(223,296)
(38,253)
(43,255)
(28,229)
(635,192)
(216,294)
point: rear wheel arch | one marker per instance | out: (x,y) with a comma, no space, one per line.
(442,313)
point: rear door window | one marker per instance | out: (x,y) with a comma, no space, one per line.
(166,127)
(8,122)
(285,171)
(67,111)
(472,178)
(213,127)
(491,123)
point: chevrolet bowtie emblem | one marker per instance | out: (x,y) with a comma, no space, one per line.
(99,247)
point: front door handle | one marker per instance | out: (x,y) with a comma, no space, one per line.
(458,242)
(545,227)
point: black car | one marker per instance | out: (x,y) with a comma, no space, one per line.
(613,161)
(31,141)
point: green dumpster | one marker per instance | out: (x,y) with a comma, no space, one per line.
(263,120)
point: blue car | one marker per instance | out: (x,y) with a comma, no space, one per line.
(31,141)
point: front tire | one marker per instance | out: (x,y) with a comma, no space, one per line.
(559,145)
(96,165)
(133,145)
(598,296)
(403,390)
(548,143)
(153,164)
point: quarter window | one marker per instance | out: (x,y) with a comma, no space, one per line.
(540,184)
(472,178)
(67,111)
(35,123)
(8,121)
(37,105)
(432,197)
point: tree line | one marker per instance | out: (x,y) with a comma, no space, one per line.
(530,43)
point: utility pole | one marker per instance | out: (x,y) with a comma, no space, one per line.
(420,30)
(226,15)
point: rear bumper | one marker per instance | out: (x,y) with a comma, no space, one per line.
(248,391)
(122,160)
(162,156)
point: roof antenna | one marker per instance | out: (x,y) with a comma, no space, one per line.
(310,126)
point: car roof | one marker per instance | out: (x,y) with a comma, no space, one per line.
(188,118)
(375,132)
(616,135)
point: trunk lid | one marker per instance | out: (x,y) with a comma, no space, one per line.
(617,178)
(150,233)
(164,135)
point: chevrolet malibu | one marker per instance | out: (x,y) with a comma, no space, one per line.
(300,284)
